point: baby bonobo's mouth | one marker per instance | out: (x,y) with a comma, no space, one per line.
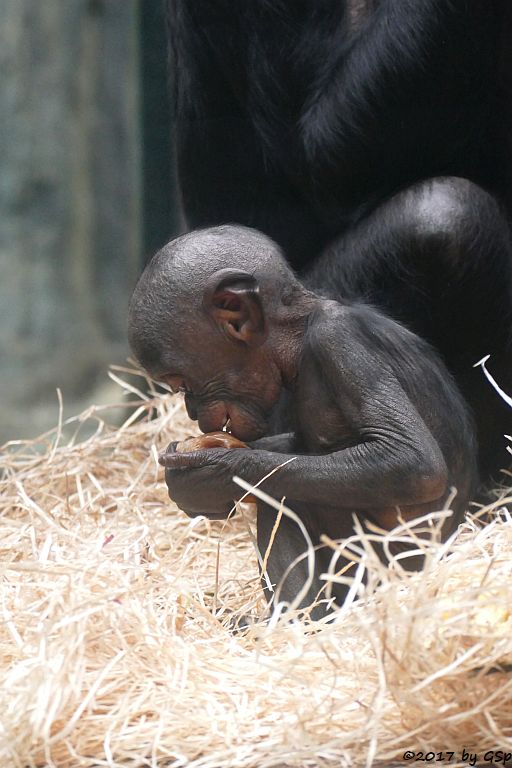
(227,425)
(236,422)
(233,429)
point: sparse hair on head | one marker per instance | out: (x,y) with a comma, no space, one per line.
(189,260)
(170,290)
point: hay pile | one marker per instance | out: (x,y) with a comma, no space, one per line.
(117,645)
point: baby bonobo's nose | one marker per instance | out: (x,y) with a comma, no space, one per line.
(191,407)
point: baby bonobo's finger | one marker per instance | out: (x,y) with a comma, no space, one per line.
(193,452)
(177,460)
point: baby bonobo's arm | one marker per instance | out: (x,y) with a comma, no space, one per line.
(380,384)
(393,459)
(394,404)
(395,462)
(364,376)
(282,443)
(362,372)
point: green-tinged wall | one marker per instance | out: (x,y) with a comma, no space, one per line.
(86,194)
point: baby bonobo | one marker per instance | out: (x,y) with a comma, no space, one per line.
(377,425)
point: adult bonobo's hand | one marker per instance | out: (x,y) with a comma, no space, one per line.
(199,474)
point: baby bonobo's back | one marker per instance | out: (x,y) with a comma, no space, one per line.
(376,385)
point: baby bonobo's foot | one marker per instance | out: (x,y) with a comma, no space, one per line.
(238,623)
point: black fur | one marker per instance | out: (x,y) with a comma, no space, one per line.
(332,126)
(291,121)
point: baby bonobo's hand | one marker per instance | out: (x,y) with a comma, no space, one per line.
(199,474)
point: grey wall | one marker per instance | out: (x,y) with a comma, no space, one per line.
(70,201)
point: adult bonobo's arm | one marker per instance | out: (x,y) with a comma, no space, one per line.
(222,170)
(211,132)
(398,104)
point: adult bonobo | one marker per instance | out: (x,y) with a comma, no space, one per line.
(377,421)
(371,139)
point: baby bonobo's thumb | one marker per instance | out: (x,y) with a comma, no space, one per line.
(176,454)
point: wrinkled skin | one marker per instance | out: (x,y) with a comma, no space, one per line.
(374,419)
(201,481)
(245,400)
(219,389)
(378,428)
(371,140)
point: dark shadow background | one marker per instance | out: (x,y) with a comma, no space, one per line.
(87,194)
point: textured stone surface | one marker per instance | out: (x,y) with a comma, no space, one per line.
(69,200)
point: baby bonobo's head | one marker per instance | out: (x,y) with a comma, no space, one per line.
(219,314)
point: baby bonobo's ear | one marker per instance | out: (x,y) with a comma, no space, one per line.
(233,302)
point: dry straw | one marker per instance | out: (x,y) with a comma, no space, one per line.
(118,639)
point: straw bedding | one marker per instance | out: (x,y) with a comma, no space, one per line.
(118,638)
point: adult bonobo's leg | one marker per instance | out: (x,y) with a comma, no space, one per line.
(438,257)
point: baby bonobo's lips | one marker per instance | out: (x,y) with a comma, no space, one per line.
(212,417)
(234,419)
(227,425)
(242,428)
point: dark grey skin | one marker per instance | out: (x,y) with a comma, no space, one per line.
(372,140)
(378,426)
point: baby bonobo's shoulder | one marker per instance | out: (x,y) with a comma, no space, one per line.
(338,339)
(356,323)
(330,318)
(346,325)
(358,335)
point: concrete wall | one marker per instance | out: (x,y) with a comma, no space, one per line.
(70,201)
